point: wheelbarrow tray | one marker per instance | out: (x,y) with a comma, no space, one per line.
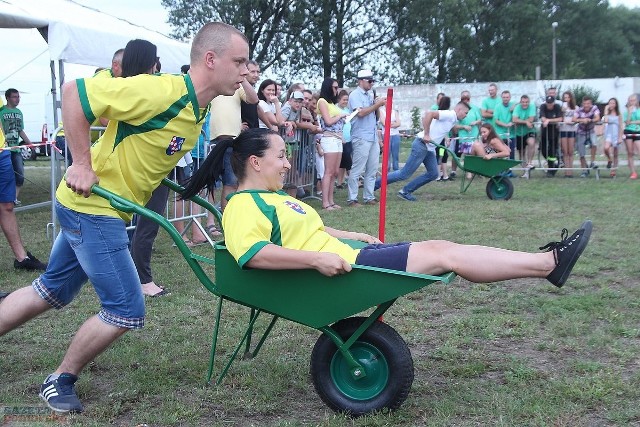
(310,298)
(487,168)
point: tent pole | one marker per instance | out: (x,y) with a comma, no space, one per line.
(55,172)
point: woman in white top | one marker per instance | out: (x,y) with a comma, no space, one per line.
(394,136)
(269,115)
(568,131)
(613,135)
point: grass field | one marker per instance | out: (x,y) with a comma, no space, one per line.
(517,353)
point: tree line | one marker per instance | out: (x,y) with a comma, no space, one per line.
(426,41)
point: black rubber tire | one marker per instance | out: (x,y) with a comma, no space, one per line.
(499,188)
(395,357)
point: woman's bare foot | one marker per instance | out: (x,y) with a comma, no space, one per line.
(153,290)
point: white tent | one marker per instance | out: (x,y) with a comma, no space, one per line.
(80,35)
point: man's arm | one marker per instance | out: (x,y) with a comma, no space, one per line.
(24,137)
(485,112)
(250,95)
(80,176)
(426,123)
(341,234)
(365,111)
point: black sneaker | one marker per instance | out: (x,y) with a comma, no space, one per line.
(567,251)
(29,263)
(3,295)
(60,394)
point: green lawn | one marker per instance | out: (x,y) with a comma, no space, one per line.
(517,353)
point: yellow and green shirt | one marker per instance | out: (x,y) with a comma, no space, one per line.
(104,73)
(153,121)
(253,219)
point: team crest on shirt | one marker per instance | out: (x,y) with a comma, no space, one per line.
(295,206)
(175,145)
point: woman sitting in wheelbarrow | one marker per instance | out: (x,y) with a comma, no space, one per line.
(267,229)
(490,145)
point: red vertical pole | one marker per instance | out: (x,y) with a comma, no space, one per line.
(385,165)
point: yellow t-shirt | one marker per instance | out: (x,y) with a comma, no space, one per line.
(104,73)
(253,219)
(153,121)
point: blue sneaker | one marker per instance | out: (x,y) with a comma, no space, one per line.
(60,394)
(406,196)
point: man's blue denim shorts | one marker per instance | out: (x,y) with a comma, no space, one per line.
(392,256)
(95,248)
(7,178)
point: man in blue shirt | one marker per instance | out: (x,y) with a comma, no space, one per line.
(366,151)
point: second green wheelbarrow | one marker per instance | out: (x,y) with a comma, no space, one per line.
(499,186)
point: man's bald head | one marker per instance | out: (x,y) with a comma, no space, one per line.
(214,36)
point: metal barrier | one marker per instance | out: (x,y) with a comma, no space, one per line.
(301,154)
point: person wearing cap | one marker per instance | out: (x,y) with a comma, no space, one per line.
(366,152)
(550,116)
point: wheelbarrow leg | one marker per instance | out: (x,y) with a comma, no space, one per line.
(214,340)
(250,331)
(235,353)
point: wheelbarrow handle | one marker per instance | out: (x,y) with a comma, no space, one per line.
(454,156)
(117,202)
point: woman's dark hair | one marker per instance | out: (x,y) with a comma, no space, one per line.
(251,142)
(444,103)
(326,90)
(617,109)
(139,56)
(572,99)
(264,84)
(492,131)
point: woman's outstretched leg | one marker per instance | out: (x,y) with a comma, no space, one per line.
(487,264)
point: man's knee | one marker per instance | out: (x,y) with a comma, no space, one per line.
(6,208)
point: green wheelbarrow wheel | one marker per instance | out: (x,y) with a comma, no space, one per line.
(385,358)
(499,188)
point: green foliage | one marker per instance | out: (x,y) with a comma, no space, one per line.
(580,91)
(415,119)
(426,41)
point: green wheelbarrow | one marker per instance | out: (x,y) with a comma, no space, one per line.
(359,364)
(499,186)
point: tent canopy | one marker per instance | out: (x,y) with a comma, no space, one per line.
(81,35)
